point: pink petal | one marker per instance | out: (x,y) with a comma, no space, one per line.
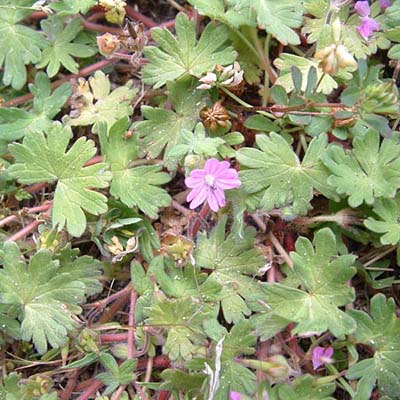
(213,165)
(194,182)
(220,196)
(385,4)
(198,173)
(212,201)
(328,353)
(362,8)
(368,27)
(228,183)
(198,197)
(235,395)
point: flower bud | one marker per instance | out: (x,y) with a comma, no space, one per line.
(108,44)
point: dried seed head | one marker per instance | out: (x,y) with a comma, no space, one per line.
(215,116)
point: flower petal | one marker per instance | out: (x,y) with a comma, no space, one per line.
(363,9)
(212,201)
(198,197)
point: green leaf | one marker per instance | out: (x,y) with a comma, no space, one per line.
(183,55)
(182,318)
(277,18)
(276,174)
(61,49)
(70,7)
(324,276)
(234,262)
(304,388)
(19,45)
(232,375)
(162,129)
(388,212)
(15,123)
(373,166)
(46,293)
(196,143)
(117,374)
(381,331)
(230,13)
(138,186)
(286,61)
(100,104)
(44,159)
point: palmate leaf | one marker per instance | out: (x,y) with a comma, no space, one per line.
(97,103)
(277,175)
(116,375)
(303,388)
(162,129)
(183,55)
(276,17)
(286,61)
(70,7)
(19,45)
(61,49)
(388,212)
(44,159)
(381,331)
(232,376)
(370,170)
(324,276)
(234,262)
(182,319)
(15,123)
(47,293)
(138,186)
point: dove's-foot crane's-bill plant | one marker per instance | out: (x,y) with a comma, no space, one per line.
(199,199)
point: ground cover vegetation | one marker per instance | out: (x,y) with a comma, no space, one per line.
(199,199)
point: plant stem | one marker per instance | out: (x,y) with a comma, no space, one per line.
(234,97)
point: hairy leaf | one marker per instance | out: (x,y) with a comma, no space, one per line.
(46,293)
(381,331)
(70,7)
(277,175)
(162,129)
(183,55)
(96,102)
(116,375)
(370,170)
(277,18)
(19,45)
(234,262)
(303,388)
(323,275)
(388,212)
(61,49)
(15,123)
(137,186)
(43,158)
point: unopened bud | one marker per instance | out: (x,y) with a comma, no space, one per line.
(108,44)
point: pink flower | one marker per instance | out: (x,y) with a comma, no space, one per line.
(209,184)
(385,4)
(235,396)
(321,356)
(362,8)
(368,27)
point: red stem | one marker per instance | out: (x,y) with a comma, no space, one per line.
(147,22)
(131,332)
(24,231)
(70,385)
(44,207)
(91,390)
(113,338)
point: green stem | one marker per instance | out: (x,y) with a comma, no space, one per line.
(234,97)
(266,91)
(332,369)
